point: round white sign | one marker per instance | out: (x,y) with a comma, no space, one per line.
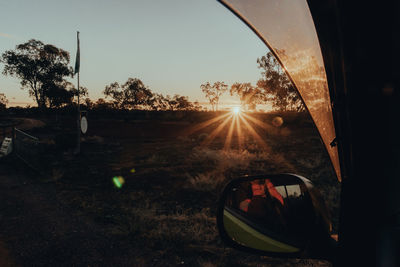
(84,124)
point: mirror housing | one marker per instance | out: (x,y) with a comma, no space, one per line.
(281,215)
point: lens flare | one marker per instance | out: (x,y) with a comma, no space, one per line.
(277,121)
(118,181)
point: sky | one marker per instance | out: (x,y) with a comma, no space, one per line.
(172,46)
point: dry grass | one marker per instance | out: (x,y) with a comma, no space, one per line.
(167,206)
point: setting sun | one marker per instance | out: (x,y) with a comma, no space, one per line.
(236,110)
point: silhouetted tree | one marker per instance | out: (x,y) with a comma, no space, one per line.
(61,94)
(58,96)
(196,106)
(39,66)
(83,91)
(114,91)
(88,103)
(101,104)
(159,102)
(214,92)
(181,103)
(3,102)
(207,90)
(276,86)
(249,95)
(132,94)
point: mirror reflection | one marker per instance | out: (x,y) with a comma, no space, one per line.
(279,208)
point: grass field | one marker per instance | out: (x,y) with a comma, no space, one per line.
(174,166)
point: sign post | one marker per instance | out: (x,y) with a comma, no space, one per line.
(84,122)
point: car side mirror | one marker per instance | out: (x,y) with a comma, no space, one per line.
(280,215)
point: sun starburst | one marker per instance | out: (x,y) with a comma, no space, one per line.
(236,110)
(232,124)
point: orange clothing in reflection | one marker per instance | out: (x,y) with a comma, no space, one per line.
(258,189)
(272,190)
(259,193)
(244,205)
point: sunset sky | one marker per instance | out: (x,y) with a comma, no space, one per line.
(172,46)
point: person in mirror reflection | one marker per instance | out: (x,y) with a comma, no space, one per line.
(264,204)
(274,193)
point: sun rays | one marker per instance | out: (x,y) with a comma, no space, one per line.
(233,128)
(206,123)
(239,133)
(228,139)
(253,133)
(216,131)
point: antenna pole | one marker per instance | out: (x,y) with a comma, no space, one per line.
(78,149)
(77,68)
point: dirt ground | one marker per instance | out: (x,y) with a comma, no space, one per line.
(71,214)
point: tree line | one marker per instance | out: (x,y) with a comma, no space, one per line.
(273,87)
(133,94)
(43,68)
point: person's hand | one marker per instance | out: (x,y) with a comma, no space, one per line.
(244,205)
